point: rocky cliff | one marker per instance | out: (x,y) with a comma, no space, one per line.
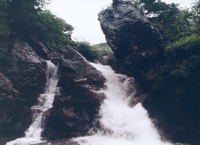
(23,77)
(22,80)
(133,39)
(136,46)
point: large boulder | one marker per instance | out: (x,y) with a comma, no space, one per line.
(75,108)
(131,36)
(134,41)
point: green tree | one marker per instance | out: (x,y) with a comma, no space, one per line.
(4,21)
(28,17)
(196,16)
(23,14)
(50,29)
(172,22)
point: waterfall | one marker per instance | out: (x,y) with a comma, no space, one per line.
(45,102)
(118,123)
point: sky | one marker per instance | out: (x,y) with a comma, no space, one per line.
(83,15)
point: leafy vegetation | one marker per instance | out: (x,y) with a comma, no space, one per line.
(93,52)
(27,17)
(176,75)
(4,21)
(102,49)
(50,29)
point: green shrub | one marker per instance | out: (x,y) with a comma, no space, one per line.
(86,50)
(93,52)
(185,43)
(187,67)
(102,49)
(50,29)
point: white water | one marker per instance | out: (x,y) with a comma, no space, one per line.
(45,101)
(120,124)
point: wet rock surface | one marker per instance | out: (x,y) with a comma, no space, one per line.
(60,142)
(23,78)
(22,66)
(75,108)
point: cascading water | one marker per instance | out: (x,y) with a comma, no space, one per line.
(45,101)
(118,123)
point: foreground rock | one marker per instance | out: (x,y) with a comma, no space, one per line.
(23,78)
(75,108)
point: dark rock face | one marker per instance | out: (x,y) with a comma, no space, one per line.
(133,39)
(135,43)
(22,66)
(130,35)
(22,79)
(41,50)
(76,106)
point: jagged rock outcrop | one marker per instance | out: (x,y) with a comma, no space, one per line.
(42,51)
(23,78)
(131,36)
(133,39)
(75,108)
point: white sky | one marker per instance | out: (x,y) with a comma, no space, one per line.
(82,14)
